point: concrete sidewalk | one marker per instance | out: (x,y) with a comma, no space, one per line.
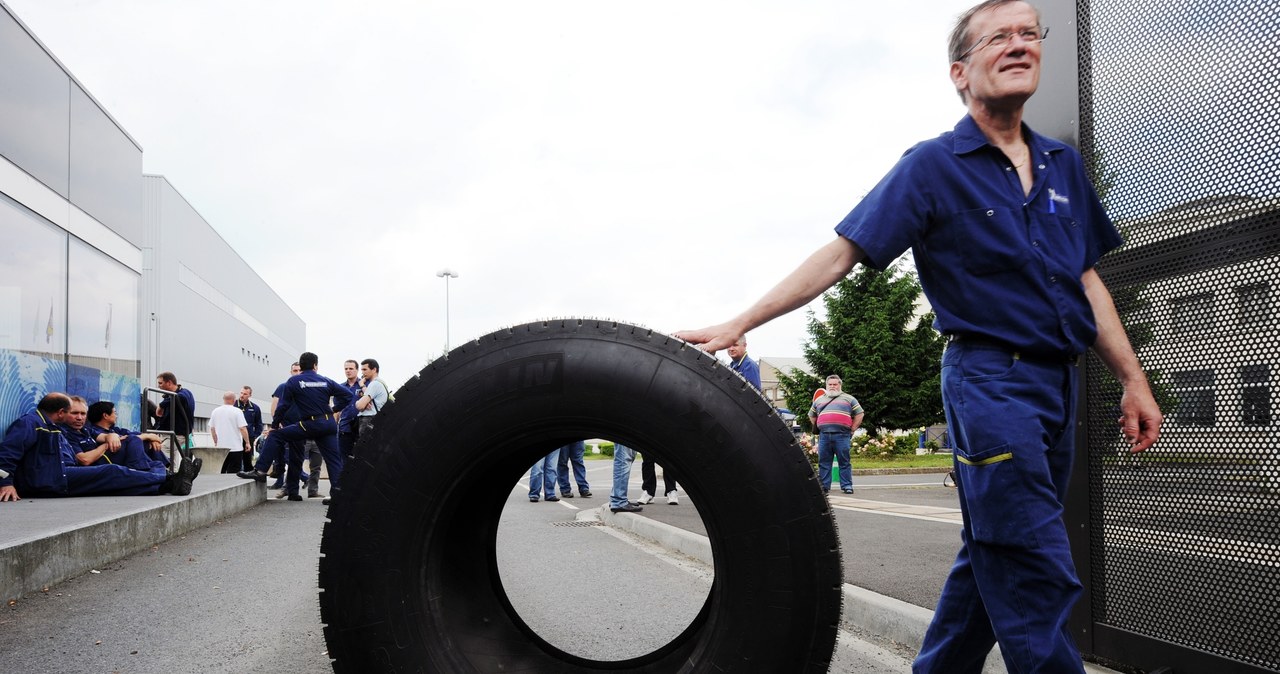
(44,541)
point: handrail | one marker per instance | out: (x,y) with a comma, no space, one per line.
(174,449)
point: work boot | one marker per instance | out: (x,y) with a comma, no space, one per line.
(186,474)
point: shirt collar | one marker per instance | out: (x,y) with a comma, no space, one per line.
(969,138)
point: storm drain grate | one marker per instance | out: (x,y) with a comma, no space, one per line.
(585,523)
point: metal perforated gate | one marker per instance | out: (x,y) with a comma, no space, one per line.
(1180,121)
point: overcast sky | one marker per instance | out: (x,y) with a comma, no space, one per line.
(660,163)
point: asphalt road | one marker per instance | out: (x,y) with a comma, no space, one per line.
(900,552)
(241,595)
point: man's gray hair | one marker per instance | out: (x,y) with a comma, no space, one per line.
(960,40)
(835,377)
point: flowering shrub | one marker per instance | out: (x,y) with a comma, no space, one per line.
(887,445)
(809,444)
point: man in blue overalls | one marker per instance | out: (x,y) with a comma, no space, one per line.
(306,397)
(1005,229)
(37,460)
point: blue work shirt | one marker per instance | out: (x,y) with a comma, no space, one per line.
(179,422)
(349,412)
(252,418)
(994,262)
(279,418)
(35,450)
(748,369)
(306,396)
(83,440)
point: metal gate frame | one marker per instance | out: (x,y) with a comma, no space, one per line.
(1056,110)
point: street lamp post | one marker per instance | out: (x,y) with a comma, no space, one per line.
(446,274)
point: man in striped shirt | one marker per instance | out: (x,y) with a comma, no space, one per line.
(836,415)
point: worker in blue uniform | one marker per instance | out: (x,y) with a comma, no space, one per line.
(741,363)
(348,426)
(1005,229)
(94,446)
(102,419)
(176,418)
(253,418)
(37,460)
(278,458)
(307,396)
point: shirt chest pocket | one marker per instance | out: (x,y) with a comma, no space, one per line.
(989,240)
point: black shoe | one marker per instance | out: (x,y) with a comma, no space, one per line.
(183,478)
(255,475)
(566,494)
(586,493)
(533,499)
(197,463)
(295,497)
(166,487)
(628,508)
(847,491)
(327,500)
(553,497)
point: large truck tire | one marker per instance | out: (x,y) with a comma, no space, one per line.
(408,574)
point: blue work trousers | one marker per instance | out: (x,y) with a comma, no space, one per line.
(542,477)
(834,443)
(1012,420)
(325,434)
(623,458)
(572,453)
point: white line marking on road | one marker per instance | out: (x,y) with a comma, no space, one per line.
(914,512)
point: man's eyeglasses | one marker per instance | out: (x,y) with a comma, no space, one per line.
(1028,35)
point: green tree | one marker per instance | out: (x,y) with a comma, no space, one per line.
(890,365)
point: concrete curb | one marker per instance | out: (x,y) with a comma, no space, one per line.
(72,546)
(864,611)
(672,538)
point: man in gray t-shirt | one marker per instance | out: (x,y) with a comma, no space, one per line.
(374,395)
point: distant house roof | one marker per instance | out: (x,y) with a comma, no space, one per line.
(784,365)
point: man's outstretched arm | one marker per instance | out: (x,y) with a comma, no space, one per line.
(820,271)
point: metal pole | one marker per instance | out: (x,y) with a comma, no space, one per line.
(446,274)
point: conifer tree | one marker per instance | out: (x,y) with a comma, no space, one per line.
(887,359)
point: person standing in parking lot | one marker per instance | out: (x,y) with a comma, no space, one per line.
(835,415)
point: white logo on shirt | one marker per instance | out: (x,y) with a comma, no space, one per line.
(1060,198)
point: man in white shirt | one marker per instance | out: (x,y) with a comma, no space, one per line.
(230,431)
(374,395)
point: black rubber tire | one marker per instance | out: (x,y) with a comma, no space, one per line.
(409,578)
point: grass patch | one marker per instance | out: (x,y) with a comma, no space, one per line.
(902,461)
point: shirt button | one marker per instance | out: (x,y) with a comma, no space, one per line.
(1042,167)
(990,213)
(1036,244)
(1053,279)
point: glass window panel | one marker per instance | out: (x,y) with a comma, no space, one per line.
(1255,394)
(1253,305)
(102,333)
(35,107)
(106,168)
(1196,396)
(1191,312)
(33,291)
